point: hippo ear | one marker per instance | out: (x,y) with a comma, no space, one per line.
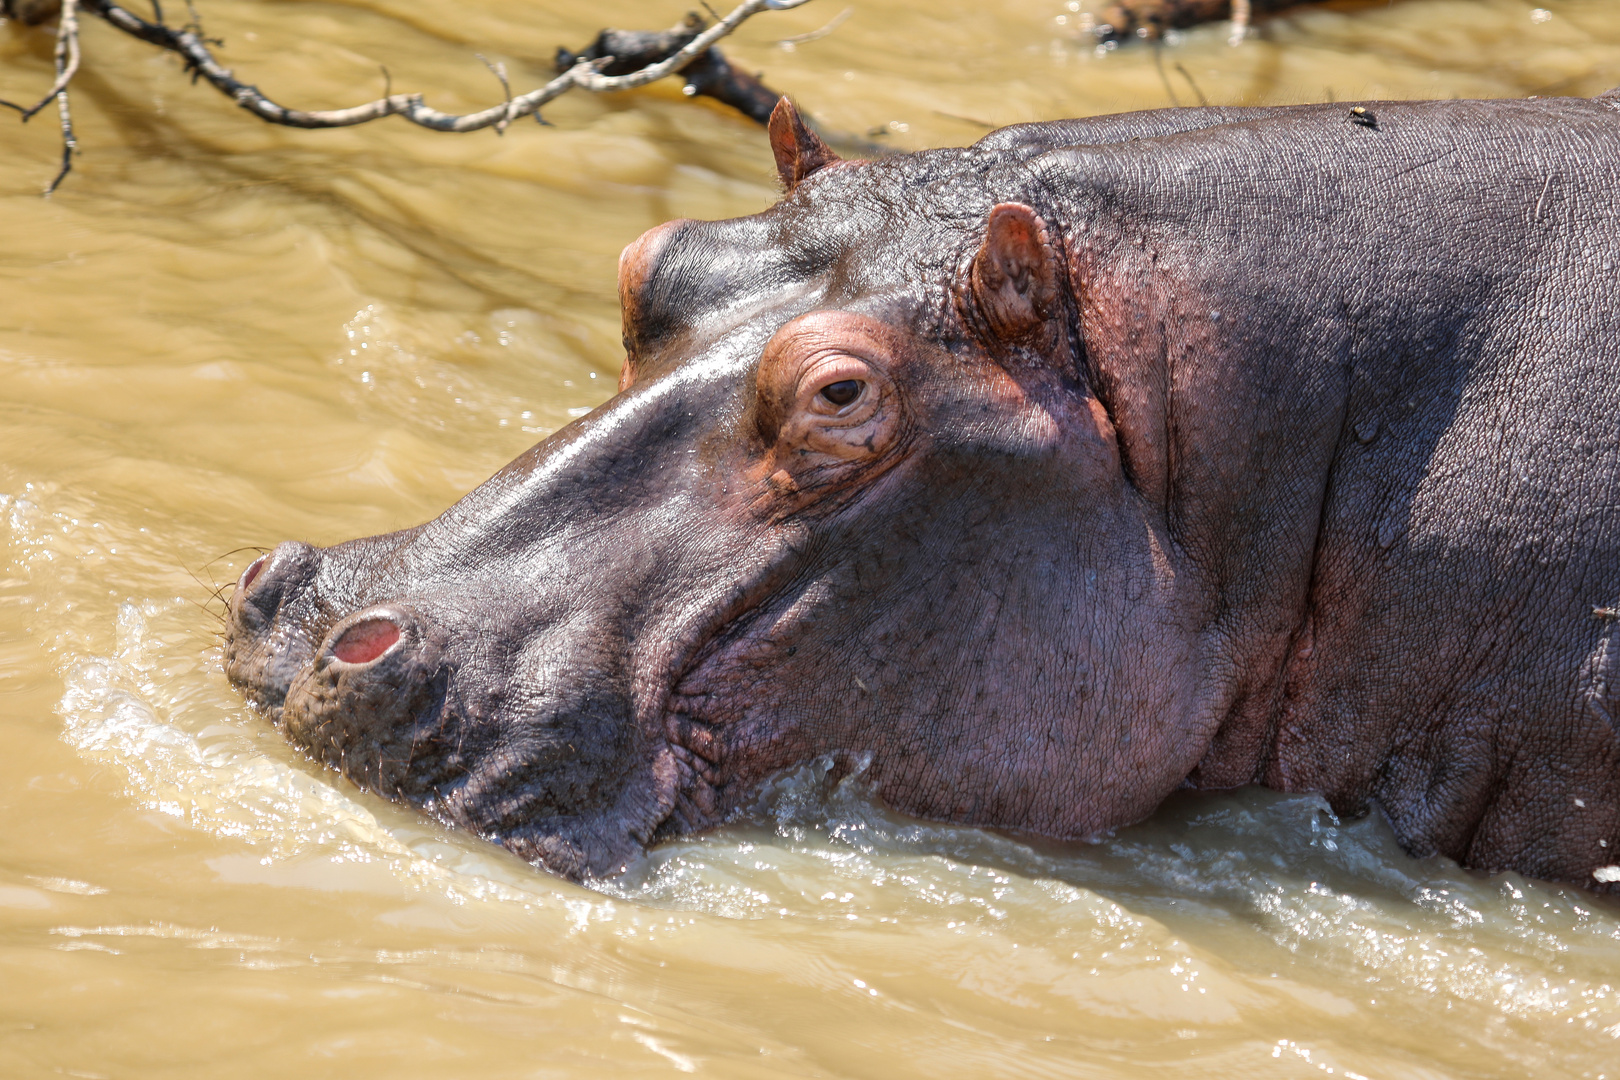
(1013,285)
(799,151)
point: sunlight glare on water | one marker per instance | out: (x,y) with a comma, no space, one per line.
(219,335)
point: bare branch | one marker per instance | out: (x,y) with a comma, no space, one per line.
(499,71)
(788,44)
(70,143)
(67,63)
(709,74)
(594,81)
(586,75)
(67,58)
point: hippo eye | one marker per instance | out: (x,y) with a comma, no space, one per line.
(843,392)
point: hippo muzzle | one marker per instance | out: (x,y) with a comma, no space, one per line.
(457,708)
(508,668)
(353,690)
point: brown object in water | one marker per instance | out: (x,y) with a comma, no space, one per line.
(31,12)
(1150,18)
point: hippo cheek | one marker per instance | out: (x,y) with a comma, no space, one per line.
(360,706)
(560,770)
(539,814)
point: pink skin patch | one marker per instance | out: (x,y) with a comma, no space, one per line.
(365,641)
(252,571)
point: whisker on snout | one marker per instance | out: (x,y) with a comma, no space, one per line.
(217,590)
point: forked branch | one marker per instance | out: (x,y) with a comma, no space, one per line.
(586,75)
(67,59)
(689,51)
(66,62)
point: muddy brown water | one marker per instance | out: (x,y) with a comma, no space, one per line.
(221,334)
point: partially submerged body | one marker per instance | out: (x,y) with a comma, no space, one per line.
(1202,447)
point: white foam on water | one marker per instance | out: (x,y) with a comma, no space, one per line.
(152,707)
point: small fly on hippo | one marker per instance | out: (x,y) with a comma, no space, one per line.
(1193,448)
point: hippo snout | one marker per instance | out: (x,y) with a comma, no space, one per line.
(264,640)
(367,701)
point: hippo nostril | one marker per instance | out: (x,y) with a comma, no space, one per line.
(271,615)
(251,572)
(274,579)
(365,641)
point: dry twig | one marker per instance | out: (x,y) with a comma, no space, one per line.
(499,71)
(66,61)
(621,52)
(788,44)
(64,73)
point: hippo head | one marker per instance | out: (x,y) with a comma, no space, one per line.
(854,495)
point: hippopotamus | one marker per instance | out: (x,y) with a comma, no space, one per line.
(1041,478)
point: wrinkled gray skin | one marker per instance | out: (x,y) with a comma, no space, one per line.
(1304,473)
